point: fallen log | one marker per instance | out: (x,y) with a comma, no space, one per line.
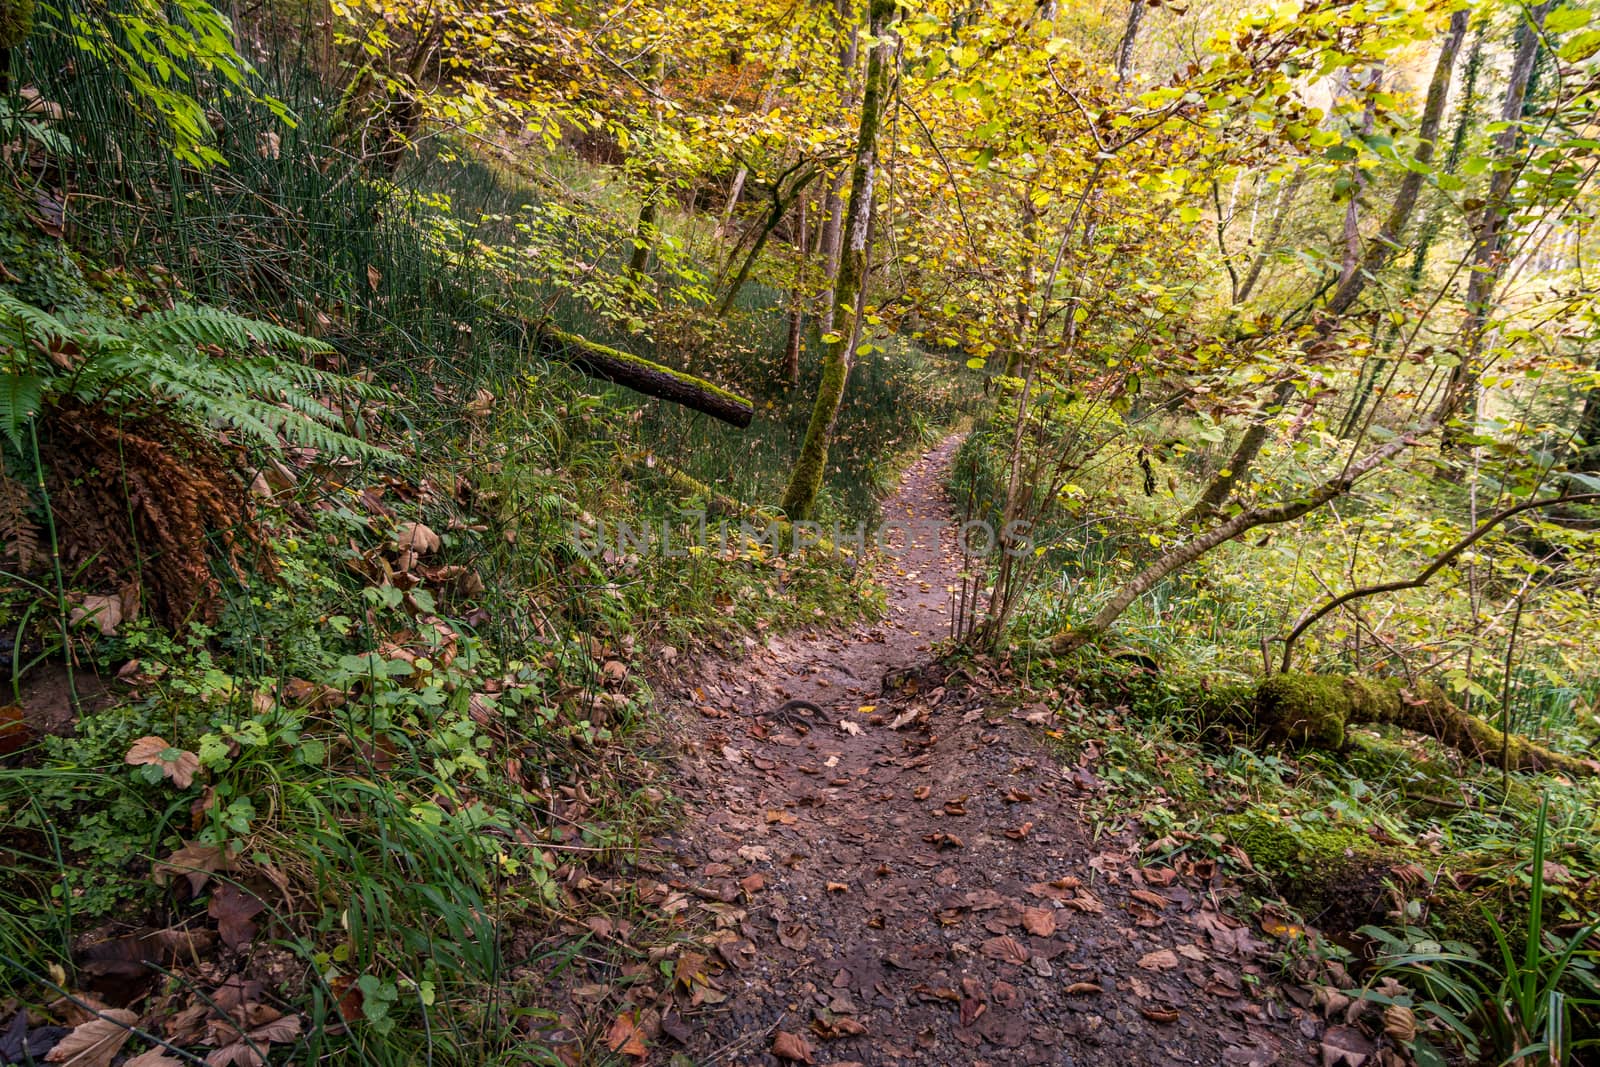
(643,376)
(1317,710)
(624,369)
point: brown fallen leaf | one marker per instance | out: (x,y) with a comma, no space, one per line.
(95,1042)
(156,1057)
(624,1037)
(793,1047)
(1006,949)
(1079,989)
(246,1052)
(195,862)
(1041,922)
(1160,1015)
(1162,959)
(838,887)
(1017,833)
(793,936)
(177,764)
(1345,1046)
(234,909)
(1155,900)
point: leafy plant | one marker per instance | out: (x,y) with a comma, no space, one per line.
(1516,1007)
(207,364)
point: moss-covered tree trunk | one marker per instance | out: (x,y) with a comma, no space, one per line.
(805,482)
(1318,710)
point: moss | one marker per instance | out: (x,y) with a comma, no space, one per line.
(1305,709)
(1335,875)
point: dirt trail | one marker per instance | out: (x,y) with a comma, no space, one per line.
(931,894)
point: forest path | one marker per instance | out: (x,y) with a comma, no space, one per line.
(932,894)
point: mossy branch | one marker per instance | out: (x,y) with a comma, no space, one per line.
(1318,709)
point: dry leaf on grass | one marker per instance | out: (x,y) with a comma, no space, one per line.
(247,1051)
(156,1057)
(234,909)
(175,763)
(94,1043)
(624,1037)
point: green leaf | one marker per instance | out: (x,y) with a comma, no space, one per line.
(21,396)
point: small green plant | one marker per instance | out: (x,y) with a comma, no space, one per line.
(1518,1008)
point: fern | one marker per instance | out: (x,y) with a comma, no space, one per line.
(19,537)
(212,366)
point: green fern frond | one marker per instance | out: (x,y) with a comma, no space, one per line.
(168,358)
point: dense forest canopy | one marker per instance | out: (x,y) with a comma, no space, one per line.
(1261,342)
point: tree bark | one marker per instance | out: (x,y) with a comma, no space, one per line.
(1130,37)
(805,482)
(645,234)
(1487,264)
(797,307)
(1317,710)
(833,205)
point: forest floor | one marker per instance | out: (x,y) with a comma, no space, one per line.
(911,877)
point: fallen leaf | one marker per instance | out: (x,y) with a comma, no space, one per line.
(1160,1015)
(1078,989)
(415,537)
(194,862)
(1163,959)
(787,1046)
(624,1037)
(94,1043)
(234,909)
(177,764)
(1345,1046)
(104,611)
(1041,922)
(156,1057)
(1006,949)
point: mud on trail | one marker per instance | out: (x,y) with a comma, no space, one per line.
(909,878)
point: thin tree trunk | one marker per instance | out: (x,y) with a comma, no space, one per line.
(805,482)
(833,205)
(645,234)
(1589,429)
(797,307)
(1130,38)
(1382,247)
(1487,265)
(763,106)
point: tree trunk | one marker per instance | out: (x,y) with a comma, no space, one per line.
(643,376)
(763,106)
(1130,37)
(1317,710)
(1487,264)
(1355,280)
(645,234)
(797,306)
(805,482)
(833,206)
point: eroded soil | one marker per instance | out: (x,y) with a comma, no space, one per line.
(911,878)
